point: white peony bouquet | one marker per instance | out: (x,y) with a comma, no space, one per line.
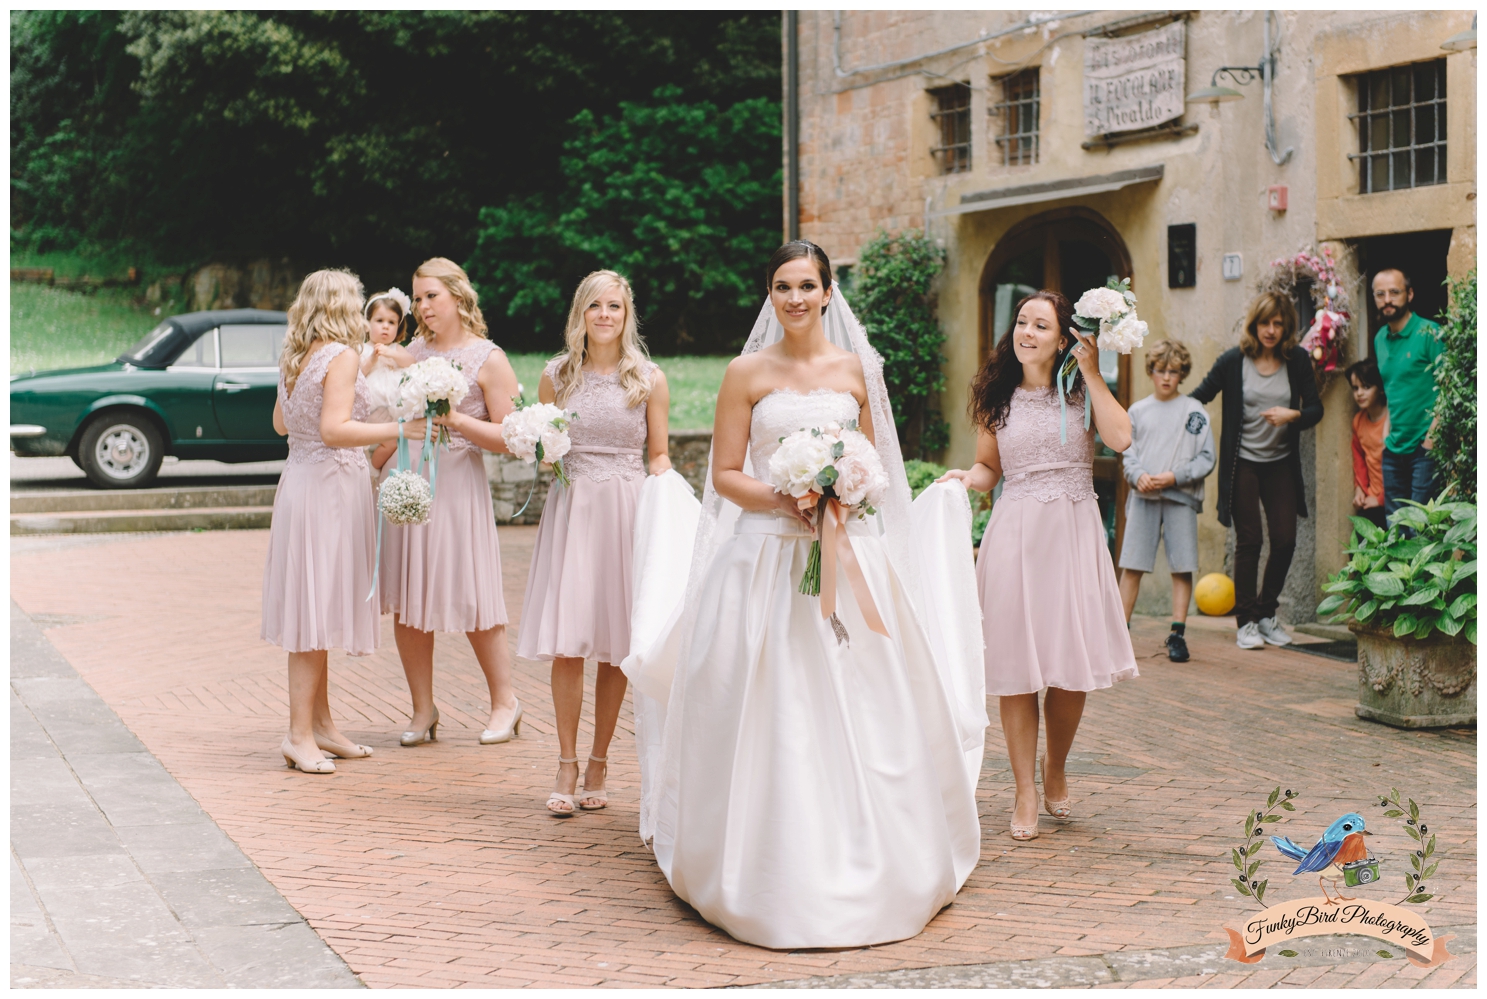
(405,498)
(539,433)
(1112,312)
(432,387)
(834,463)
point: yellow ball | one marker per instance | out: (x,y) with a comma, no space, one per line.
(1215,594)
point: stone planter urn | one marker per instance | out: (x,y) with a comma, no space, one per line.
(1414,683)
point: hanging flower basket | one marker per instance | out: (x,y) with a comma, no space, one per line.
(1326,339)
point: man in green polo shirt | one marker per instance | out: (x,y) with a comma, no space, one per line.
(1406,347)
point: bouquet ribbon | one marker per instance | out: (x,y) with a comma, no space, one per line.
(836,546)
(1072,370)
(404,463)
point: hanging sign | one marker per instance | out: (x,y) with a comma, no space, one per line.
(1135,81)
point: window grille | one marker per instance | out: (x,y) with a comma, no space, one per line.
(953,116)
(1019,113)
(1401,127)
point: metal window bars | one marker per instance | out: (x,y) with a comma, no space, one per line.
(1401,120)
(953,116)
(1018,110)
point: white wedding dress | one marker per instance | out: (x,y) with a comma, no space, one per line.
(799,792)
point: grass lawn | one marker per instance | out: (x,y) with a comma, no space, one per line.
(53,328)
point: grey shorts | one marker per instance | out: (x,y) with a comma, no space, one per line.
(1151,520)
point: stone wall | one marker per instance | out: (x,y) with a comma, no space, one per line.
(511,480)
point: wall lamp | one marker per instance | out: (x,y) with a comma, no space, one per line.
(1462,40)
(1242,75)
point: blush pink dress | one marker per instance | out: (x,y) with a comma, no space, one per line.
(580,588)
(1050,604)
(445,575)
(323,536)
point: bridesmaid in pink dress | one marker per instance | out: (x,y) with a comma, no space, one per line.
(323,536)
(1051,609)
(578,598)
(446,575)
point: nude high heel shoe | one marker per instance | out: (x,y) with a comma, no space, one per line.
(491,737)
(351,752)
(1061,809)
(296,761)
(430,734)
(558,798)
(600,795)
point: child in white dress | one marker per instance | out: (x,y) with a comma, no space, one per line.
(382,359)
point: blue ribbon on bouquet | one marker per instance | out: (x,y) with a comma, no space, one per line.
(404,464)
(1070,368)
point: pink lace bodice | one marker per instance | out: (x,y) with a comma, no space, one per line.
(302,412)
(469,359)
(1034,463)
(605,421)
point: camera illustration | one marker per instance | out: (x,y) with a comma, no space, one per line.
(1360,872)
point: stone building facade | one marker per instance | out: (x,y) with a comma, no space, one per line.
(995,131)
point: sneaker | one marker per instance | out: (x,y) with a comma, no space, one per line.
(1177,648)
(1272,632)
(1249,636)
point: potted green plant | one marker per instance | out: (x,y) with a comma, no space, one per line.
(1409,592)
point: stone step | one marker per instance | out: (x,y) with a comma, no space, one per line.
(219,518)
(98,500)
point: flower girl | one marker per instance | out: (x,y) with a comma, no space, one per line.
(382,359)
(579,589)
(323,532)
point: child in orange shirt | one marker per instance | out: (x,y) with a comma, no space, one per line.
(1370,426)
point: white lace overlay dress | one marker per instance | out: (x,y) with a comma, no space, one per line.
(446,575)
(1050,604)
(323,537)
(817,795)
(580,586)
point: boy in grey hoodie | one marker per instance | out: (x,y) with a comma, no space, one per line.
(1171,453)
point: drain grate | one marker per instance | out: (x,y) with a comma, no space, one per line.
(1345,652)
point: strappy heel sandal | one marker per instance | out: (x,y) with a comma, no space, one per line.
(601,795)
(557,798)
(1061,809)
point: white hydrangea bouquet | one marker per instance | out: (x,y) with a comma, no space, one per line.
(431,387)
(539,433)
(1111,312)
(834,470)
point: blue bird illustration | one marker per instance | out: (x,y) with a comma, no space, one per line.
(1342,843)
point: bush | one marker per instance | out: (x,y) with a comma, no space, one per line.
(892,293)
(1416,577)
(922,474)
(1456,403)
(681,198)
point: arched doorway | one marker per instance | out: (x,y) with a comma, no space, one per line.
(1068,250)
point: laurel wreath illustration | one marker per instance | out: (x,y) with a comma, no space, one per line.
(1248,865)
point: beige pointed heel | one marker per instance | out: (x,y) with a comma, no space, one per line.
(1061,809)
(344,752)
(491,737)
(295,761)
(600,795)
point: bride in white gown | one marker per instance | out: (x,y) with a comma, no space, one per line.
(797,791)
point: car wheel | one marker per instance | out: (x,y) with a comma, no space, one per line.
(120,451)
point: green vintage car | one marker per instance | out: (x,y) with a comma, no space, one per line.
(199,385)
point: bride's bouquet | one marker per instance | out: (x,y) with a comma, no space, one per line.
(539,433)
(432,387)
(834,469)
(1111,313)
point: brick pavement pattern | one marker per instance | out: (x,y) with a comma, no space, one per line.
(438,866)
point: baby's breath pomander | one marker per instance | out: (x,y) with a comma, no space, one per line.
(405,498)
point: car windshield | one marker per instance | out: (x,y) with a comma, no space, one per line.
(151,351)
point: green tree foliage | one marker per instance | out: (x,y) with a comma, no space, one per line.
(682,198)
(364,138)
(893,296)
(1456,382)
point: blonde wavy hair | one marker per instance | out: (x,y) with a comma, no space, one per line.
(1265,306)
(326,308)
(634,370)
(457,282)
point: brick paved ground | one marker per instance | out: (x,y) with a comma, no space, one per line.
(438,866)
